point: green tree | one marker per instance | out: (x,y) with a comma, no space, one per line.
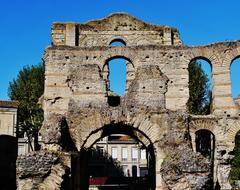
(199,94)
(27,88)
(235,163)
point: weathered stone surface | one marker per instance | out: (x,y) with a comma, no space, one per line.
(184,169)
(35,164)
(148,89)
(41,170)
(51,130)
(153,109)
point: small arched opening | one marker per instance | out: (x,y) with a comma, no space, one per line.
(118,159)
(118,73)
(200,86)
(235,79)
(117,42)
(205,143)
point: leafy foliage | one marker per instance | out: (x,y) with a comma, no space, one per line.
(235,162)
(27,89)
(200,96)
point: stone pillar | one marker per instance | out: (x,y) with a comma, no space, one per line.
(223,103)
(176,38)
(70,34)
(222,167)
(105,74)
(160,185)
(193,139)
(222,175)
(167,36)
(58,33)
(130,75)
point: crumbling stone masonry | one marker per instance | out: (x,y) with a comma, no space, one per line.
(153,109)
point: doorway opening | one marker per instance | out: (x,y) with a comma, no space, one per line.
(116,160)
(118,72)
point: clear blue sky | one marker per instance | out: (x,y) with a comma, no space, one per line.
(25,25)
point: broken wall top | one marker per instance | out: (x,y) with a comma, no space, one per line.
(116,26)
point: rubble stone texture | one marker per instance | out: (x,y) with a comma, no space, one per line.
(153,109)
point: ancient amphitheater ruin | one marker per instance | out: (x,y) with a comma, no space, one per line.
(78,107)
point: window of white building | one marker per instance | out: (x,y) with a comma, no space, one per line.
(143,154)
(134,154)
(125,170)
(124,153)
(114,152)
(100,151)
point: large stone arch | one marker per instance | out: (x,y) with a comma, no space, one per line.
(202,53)
(135,130)
(83,125)
(119,128)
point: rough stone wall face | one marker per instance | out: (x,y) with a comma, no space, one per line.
(86,81)
(129,29)
(59,34)
(76,98)
(148,88)
(40,170)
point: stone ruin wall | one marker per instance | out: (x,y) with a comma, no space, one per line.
(76,89)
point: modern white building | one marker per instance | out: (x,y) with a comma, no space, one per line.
(8,117)
(128,157)
(8,124)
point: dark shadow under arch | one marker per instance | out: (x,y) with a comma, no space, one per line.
(120,128)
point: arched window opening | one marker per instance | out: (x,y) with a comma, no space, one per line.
(235,164)
(205,143)
(200,86)
(235,80)
(117,42)
(116,76)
